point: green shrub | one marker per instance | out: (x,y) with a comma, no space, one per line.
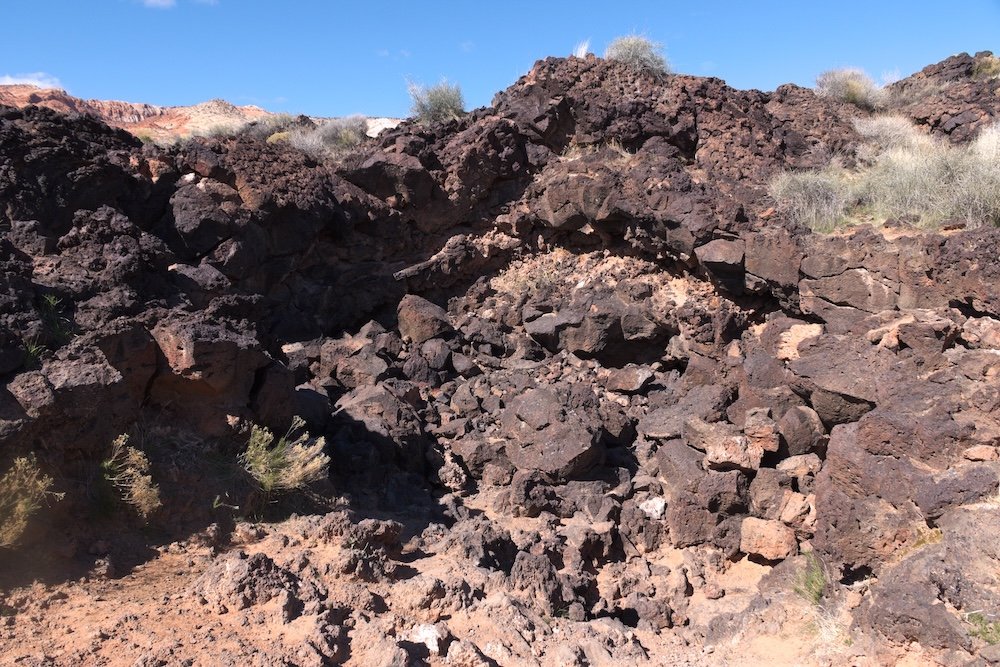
(128,471)
(288,463)
(438,103)
(811,582)
(850,85)
(23,488)
(817,199)
(983,628)
(639,52)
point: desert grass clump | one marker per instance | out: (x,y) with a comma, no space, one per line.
(986,67)
(850,85)
(983,628)
(127,470)
(818,199)
(23,489)
(903,173)
(639,52)
(435,104)
(885,132)
(811,582)
(331,138)
(223,130)
(265,127)
(288,463)
(937,181)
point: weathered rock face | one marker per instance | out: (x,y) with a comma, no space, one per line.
(955,97)
(573,309)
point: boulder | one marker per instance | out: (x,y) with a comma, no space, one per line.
(768,539)
(420,320)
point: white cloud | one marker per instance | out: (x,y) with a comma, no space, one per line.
(40,79)
(159,4)
(467,46)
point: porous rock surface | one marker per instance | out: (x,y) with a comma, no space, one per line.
(587,397)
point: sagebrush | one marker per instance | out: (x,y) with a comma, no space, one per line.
(439,103)
(290,462)
(639,52)
(23,490)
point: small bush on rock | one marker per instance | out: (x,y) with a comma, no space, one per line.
(438,103)
(850,85)
(288,463)
(987,67)
(639,52)
(128,471)
(23,488)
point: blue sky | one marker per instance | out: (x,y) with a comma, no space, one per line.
(331,58)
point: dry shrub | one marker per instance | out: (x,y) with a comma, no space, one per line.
(267,126)
(937,181)
(288,463)
(23,489)
(904,173)
(986,67)
(850,85)
(886,132)
(639,52)
(817,199)
(436,104)
(330,138)
(128,471)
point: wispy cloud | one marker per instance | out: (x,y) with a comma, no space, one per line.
(40,79)
(467,46)
(402,54)
(170,4)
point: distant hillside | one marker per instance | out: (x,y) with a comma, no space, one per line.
(162,124)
